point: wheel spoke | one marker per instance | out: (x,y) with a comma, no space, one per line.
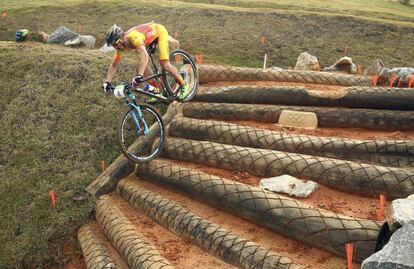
(141,138)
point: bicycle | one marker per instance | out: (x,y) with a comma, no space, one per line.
(141,133)
(169,88)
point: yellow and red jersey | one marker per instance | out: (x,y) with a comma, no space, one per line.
(145,34)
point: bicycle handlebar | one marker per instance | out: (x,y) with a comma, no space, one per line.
(128,86)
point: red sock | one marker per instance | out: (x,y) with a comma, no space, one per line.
(153,83)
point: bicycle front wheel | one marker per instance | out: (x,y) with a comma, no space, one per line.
(188,71)
(141,133)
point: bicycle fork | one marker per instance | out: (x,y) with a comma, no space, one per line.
(139,118)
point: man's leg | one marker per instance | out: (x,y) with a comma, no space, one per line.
(167,66)
(148,71)
(163,51)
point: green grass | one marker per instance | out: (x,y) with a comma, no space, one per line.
(57,126)
(230,35)
(374,9)
(385,9)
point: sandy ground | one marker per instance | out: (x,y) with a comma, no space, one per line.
(300,253)
(179,252)
(352,133)
(183,254)
(308,86)
(344,203)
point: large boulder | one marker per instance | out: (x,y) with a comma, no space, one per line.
(61,35)
(402,75)
(345,64)
(397,254)
(69,38)
(289,185)
(306,61)
(81,41)
(403,210)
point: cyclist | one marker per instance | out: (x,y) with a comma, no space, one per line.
(139,38)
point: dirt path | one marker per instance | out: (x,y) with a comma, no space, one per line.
(180,253)
(352,133)
(183,254)
(274,83)
(343,203)
(300,253)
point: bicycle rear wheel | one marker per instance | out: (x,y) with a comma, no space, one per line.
(141,137)
(188,71)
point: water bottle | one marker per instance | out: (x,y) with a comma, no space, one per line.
(151,89)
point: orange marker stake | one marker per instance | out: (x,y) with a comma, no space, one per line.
(360,69)
(380,215)
(349,247)
(262,39)
(374,80)
(392,80)
(346,51)
(53,198)
(103,164)
(411,81)
(199,58)
(80,28)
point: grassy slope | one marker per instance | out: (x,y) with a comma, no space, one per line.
(230,35)
(375,9)
(57,126)
(372,9)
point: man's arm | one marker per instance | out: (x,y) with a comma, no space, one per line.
(113,67)
(143,59)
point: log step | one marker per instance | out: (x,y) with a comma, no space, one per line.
(316,227)
(354,97)
(383,152)
(207,235)
(392,120)
(210,73)
(364,179)
(133,247)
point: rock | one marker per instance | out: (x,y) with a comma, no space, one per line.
(344,64)
(403,210)
(81,41)
(106,49)
(306,61)
(402,75)
(290,185)
(397,254)
(61,35)
(301,119)
(87,41)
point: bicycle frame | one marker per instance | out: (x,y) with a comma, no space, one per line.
(130,101)
(157,75)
